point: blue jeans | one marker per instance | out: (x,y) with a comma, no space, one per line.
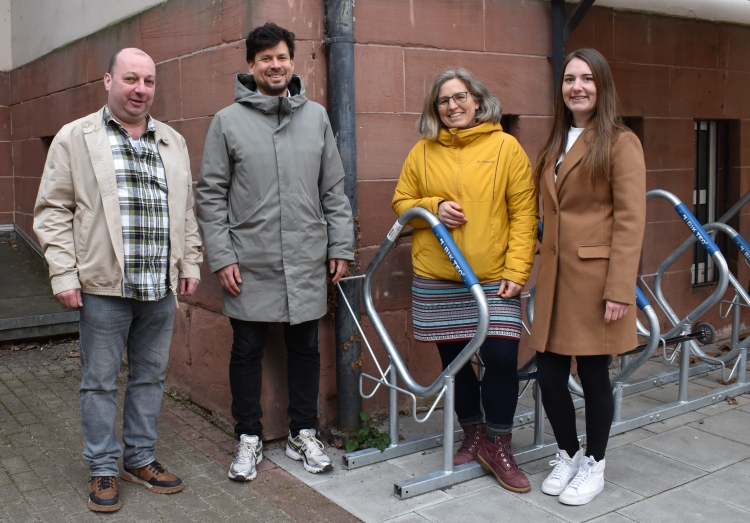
(108,325)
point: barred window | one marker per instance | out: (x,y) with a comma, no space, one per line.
(711,158)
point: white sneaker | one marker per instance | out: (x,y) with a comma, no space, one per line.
(309,450)
(565,470)
(586,485)
(249,454)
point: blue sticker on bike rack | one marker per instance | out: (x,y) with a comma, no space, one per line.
(696,228)
(742,245)
(640,299)
(454,255)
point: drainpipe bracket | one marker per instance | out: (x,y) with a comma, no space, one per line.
(341,39)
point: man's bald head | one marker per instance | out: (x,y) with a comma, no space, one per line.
(130,86)
(113,60)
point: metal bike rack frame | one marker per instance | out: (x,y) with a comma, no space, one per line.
(443,386)
(543,445)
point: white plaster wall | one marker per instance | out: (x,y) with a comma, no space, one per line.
(732,11)
(40,26)
(6,60)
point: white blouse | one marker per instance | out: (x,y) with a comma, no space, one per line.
(573,135)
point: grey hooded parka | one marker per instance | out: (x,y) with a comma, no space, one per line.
(271,199)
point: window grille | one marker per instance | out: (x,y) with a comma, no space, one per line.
(710,166)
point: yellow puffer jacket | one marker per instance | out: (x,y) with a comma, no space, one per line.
(487,172)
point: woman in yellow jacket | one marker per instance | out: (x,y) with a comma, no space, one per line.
(477,180)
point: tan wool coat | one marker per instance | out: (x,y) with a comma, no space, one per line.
(590,253)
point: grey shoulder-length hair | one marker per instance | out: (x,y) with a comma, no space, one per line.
(490,108)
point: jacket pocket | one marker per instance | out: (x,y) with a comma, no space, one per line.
(83,233)
(245,213)
(594,251)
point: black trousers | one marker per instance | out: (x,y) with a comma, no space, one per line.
(245,375)
(498,393)
(553,371)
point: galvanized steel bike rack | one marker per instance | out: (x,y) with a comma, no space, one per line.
(682,326)
(544,445)
(443,386)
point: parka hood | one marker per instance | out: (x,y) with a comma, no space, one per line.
(246,92)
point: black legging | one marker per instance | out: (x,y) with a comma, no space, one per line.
(553,371)
(499,388)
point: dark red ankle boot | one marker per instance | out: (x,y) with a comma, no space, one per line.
(495,455)
(473,438)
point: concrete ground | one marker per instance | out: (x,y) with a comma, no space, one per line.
(27,307)
(689,468)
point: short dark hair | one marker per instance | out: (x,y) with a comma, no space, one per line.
(265,36)
(113,62)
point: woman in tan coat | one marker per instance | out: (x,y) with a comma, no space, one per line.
(592,177)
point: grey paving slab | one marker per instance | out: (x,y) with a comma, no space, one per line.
(492,504)
(733,424)
(378,503)
(645,472)
(626,438)
(472,486)
(612,498)
(717,408)
(673,423)
(684,506)
(651,367)
(537,466)
(669,393)
(730,485)
(696,448)
(612,517)
(638,403)
(408,518)
(279,457)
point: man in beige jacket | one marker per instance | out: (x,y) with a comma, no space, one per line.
(114,216)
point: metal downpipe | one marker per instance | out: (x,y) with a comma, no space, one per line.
(341,110)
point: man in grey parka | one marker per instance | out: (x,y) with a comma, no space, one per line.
(274,216)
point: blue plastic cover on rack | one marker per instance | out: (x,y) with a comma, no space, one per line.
(742,245)
(696,228)
(640,299)
(454,255)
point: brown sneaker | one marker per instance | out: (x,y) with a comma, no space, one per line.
(472,439)
(495,455)
(154,477)
(103,494)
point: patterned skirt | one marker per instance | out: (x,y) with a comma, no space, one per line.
(446,311)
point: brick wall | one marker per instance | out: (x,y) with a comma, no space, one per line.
(668,72)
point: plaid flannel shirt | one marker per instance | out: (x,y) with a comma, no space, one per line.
(142,190)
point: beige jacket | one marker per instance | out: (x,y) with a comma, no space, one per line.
(77,214)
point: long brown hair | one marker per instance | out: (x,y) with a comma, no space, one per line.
(602,131)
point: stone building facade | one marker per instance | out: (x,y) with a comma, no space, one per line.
(670,72)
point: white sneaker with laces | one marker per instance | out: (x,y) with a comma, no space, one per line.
(249,454)
(565,470)
(309,450)
(586,485)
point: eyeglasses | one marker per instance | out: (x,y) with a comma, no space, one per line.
(443,101)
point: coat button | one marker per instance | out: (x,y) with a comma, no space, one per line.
(554,250)
(554,209)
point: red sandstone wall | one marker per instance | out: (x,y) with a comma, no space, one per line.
(668,71)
